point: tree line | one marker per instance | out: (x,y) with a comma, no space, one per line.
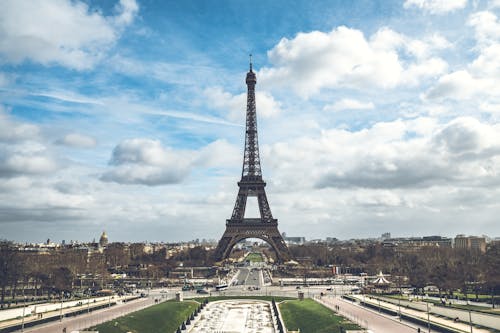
(69,270)
(448,269)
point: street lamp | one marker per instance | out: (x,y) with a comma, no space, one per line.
(399,308)
(60,310)
(24,309)
(428,318)
(88,300)
(470,320)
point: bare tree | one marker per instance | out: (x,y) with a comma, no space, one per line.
(10,270)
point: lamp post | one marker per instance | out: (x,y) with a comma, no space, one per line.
(24,310)
(60,310)
(88,300)
(399,307)
(468,305)
(470,320)
(428,318)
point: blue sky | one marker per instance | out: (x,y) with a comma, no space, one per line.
(127,116)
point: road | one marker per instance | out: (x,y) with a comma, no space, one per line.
(250,277)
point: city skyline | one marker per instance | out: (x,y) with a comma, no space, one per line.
(128,116)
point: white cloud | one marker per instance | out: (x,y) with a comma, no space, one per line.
(62,32)
(126,11)
(428,68)
(77,140)
(481,77)
(148,162)
(488,62)
(490,107)
(486,27)
(411,154)
(349,104)
(344,57)
(4,80)
(150,175)
(487,32)
(21,152)
(465,135)
(436,6)
(68,96)
(12,131)
(218,153)
(14,164)
(460,85)
(236,105)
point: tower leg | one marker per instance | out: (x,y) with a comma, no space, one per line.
(235,234)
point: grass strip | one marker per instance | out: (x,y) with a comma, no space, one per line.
(312,317)
(162,318)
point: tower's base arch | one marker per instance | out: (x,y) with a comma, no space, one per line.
(268,232)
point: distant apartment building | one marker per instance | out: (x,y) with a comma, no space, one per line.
(470,243)
(385,235)
(293,240)
(416,243)
(331,240)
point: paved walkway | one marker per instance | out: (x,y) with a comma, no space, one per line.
(94,318)
(51,310)
(368,319)
(462,302)
(463,327)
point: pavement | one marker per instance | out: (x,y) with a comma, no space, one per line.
(370,320)
(459,326)
(93,318)
(50,309)
(461,302)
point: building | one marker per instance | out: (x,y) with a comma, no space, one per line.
(385,235)
(103,241)
(478,244)
(470,243)
(293,240)
(416,243)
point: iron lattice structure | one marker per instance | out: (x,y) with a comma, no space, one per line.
(251,185)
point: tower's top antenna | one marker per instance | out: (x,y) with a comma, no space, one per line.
(250,62)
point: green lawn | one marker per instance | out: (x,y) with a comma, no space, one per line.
(162,318)
(254,257)
(312,317)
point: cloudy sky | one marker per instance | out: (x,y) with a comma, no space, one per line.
(127,116)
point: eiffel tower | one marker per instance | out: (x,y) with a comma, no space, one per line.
(251,185)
